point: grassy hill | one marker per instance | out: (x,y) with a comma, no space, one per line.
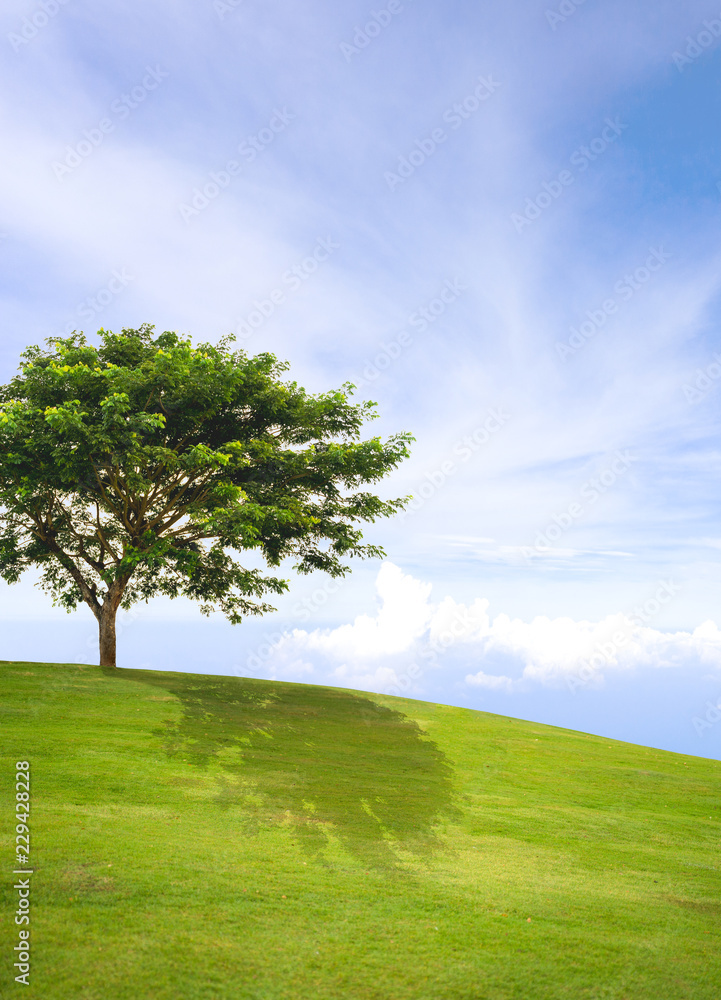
(210,837)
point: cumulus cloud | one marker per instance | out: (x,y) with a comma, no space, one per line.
(412,638)
(404,615)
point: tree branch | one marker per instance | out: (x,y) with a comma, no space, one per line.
(89,591)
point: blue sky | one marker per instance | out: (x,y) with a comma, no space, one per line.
(509,175)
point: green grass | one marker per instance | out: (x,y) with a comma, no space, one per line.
(209,837)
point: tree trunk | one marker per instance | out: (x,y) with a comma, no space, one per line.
(107,635)
(106,620)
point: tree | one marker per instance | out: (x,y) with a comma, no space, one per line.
(145,466)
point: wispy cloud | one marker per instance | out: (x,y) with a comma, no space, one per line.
(644,378)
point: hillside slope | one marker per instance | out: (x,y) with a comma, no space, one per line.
(204,837)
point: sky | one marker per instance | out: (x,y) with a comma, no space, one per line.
(500,221)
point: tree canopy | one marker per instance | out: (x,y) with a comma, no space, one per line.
(145,465)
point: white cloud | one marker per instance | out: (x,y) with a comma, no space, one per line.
(413,637)
(491,681)
(490,551)
(403,617)
(496,347)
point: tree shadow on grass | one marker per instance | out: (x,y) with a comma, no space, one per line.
(329,763)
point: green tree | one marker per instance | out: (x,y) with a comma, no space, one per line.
(146,466)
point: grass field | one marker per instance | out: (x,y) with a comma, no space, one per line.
(209,837)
